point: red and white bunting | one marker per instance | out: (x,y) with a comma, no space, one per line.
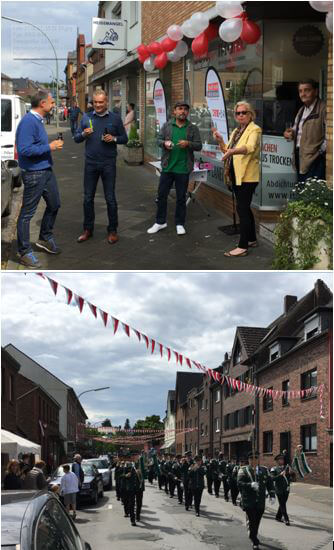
(138,334)
(115,323)
(69,295)
(176,356)
(161,349)
(126,329)
(146,340)
(93,309)
(152,346)
(104,317)
(53,285)
(168,353)
(188,362)
(79,301)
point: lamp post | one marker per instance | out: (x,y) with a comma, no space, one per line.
(76,408)
(55,54)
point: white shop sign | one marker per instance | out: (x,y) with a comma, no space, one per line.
(108,34)
(278,173)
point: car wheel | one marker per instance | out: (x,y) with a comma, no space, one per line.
(95,497)
(17,182)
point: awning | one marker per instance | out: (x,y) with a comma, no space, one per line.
(14,445)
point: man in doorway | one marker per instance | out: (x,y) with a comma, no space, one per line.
(178,139)
(73,114)
(35,161)
(309,133)
(102,131)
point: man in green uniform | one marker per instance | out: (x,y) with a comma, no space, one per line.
(130,484)
(196,482)
(281,478)
(232,472)
(223,474)
(253,481)
(177,474)
(178,139)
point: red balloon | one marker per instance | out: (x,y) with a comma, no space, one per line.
(161,61)
(211,32)
(142,58)
(251,32)
(200,44)
(155,48)
(168,44)
(143,51)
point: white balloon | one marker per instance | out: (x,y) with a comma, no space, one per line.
(149,64)
(322,6)
(181,49)
(229,9)
(230,30)
(172,56)
(329,21)
(175,32)
(188,29)
(199,21)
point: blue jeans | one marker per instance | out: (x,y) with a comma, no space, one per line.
(74,126)
(37,184)
(107,171)
(181,186)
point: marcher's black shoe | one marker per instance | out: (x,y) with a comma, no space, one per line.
(133,523)
(197,514)
(287,523)
(278,519)
(126,515)
(187,508)
(255,547)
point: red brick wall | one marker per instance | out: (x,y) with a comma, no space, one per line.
(329,156)
(298,413)
(8,408)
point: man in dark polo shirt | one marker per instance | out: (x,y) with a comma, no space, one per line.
(178,139)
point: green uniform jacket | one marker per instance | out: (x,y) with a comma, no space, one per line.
(222,467)
(213,470)
(130,481)
(281,483)
(196,477)
(250,497)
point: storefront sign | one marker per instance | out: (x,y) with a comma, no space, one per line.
(278,173)
(108,34)
(159,99)
(308,40)
(216,102)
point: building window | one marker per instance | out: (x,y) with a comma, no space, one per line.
(196,422)
(217,396)
(274,352)
(309,437)
(11,388)
(206,430)
(268,401)
(237,354)
(202,429)
(206,404)
(172,406)
(117,10)
(241,420)
(308,380)
(267,442)
(312,327)
(226,421)
(3,383)
(133,13)
(236,419)
(217,424)
(285,387)
(248,415)
(186,424)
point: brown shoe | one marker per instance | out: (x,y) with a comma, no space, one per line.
(87,234)
(112,238)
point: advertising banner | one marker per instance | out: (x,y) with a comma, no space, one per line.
(216,102)
(159,99)
(108,34)
(278,173)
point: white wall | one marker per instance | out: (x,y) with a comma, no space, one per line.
(169,425)
(133,30)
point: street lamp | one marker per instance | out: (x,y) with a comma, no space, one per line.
(55,54)
(76,408)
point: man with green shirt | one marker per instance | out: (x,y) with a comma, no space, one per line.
(178,139)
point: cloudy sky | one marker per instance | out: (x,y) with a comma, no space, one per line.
(23,41)
(193,313)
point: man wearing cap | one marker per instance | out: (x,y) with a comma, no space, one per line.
(253,481)
(281,478)
(178,139)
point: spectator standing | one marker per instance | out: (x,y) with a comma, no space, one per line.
(12,478)
(69,487)
(130,117)
(35,161)
(35,479)
(73,114)
(77,469)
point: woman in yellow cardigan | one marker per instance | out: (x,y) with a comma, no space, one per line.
(242,171)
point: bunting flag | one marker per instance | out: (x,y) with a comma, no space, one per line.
(235,384)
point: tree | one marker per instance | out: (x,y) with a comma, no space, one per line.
(127,425)
(106,423)
(152,422)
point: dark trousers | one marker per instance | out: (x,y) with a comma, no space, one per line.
(188,496)
(129,498)
(216,485)
(197,494)
(118,489)
(209,481)
(160,481)
(234,491)
(226,487)
(282,511)
(74,126)
(244,194)
(93,171)
(167,179)
(254,516)
(150,476)
(179,491)
(37,184)
(316,170)
(171,486)
(139,503)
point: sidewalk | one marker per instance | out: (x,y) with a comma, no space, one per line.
(202,248)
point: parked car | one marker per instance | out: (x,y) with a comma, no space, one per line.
(103,466)
(13,109)
(37,521)
(92,486)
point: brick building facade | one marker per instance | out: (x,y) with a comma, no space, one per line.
(9,374)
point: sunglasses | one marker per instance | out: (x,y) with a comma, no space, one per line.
(238,113)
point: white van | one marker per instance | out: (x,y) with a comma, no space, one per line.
(13,108)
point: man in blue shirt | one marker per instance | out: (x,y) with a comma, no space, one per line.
(73,114)
(35,161)
(102,131)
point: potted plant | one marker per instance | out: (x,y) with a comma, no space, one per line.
(133,150)
(304,234)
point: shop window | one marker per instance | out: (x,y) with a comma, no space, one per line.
(309,437)
(267,442)
(268,401)
(285,387)
(308,380)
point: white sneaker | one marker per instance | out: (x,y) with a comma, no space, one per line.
(180,230)
(156,227)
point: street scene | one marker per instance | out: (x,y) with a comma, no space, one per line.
(154,419)
(206,135)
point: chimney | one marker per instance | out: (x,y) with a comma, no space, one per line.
(289,301)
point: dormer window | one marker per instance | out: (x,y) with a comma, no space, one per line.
(274,352)
(311,327)
(237,354)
